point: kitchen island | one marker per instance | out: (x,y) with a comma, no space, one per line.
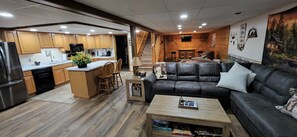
(83,81)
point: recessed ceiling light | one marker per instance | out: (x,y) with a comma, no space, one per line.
(88,34)
(33,29)
(183,16)
(180,32)
(137,31)
(204,24)
(63,27)
(194,31)
(66,32)
(109,32)
(92,30)
(6,14)
(179,26)
(200,27)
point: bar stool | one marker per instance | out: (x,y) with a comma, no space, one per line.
(117,73)
(173,56)
(105,78)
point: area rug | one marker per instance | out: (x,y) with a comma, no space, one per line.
(60,94)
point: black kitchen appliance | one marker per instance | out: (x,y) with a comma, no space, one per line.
(12,87)
(76,48)
(44,79)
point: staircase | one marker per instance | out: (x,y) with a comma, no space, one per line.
(146,58)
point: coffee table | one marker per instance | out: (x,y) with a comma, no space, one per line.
(164,107)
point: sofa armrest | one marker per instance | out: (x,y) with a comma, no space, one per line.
(149,80)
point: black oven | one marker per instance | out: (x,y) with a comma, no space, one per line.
(44,79)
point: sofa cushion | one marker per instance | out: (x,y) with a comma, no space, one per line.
(188,87)
(210,89)
(262,113)
(209,72)
(187,72)
(277,86)
(171,70)
(263,72)
(164,86)
(227,66)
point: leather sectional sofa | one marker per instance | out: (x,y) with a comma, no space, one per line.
(255,110)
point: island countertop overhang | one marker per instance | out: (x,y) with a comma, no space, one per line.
(91,66)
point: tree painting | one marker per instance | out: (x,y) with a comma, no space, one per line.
(280,48)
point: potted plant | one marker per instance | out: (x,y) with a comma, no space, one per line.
(81,59)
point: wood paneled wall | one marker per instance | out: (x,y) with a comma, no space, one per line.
(173,43)
(221,43)
(158,54)
(200,42)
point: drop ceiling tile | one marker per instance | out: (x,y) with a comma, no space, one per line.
(10,5)
(212,12)
(160,17)
(191,15)
(220,3)
(176,5)
(146,6)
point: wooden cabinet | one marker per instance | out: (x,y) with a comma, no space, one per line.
(29,82)
(45,39)
(97,41)
(11,36)
(61,74)
(106,41)
(81,39)
(58,40)
(29,42)
(91,42)
(66,42)
(71,38)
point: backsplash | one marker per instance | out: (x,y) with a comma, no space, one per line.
(102,52)
(29,59)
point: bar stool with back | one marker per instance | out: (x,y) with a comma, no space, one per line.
(105,78)
(117,73)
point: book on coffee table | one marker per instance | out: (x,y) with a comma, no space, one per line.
(187,104)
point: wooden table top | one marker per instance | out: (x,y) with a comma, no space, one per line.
(209,109)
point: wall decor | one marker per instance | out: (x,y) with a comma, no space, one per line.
(252,33)
(213,40)
(241,42)
(280,49)
(234,38)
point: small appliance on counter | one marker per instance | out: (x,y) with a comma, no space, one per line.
(12,87)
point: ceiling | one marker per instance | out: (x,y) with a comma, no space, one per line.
(164,15)
(160,15)
(28,13)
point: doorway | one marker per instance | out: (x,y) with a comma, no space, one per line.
(122,50)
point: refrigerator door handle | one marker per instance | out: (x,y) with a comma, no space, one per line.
(4,70)
(10,83)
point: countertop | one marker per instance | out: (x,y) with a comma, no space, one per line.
(91,66)
(45,65)
(104,57)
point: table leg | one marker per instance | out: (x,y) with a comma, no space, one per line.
(226,131)
(127,91)
(149,125)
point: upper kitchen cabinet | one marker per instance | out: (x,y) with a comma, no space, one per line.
(45,39)
(66,42)
(29,42)
(58,40)
(71,38)
(106,41)
(82,39)
(97,41)
(91,42)
(11,36)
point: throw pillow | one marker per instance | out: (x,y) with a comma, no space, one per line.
(233,81)
(160,70)
(237,68)
(291,107)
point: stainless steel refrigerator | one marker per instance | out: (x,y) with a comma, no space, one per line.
(12,86)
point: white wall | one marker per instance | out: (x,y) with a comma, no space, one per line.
(30,58)
(254,47)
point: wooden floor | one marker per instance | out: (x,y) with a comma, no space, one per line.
(102,116)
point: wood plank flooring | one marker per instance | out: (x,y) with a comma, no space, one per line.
(102,116)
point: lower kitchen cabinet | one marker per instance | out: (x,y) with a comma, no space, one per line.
(60,73)
(29,81)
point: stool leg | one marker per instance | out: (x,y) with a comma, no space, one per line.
(121,78)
